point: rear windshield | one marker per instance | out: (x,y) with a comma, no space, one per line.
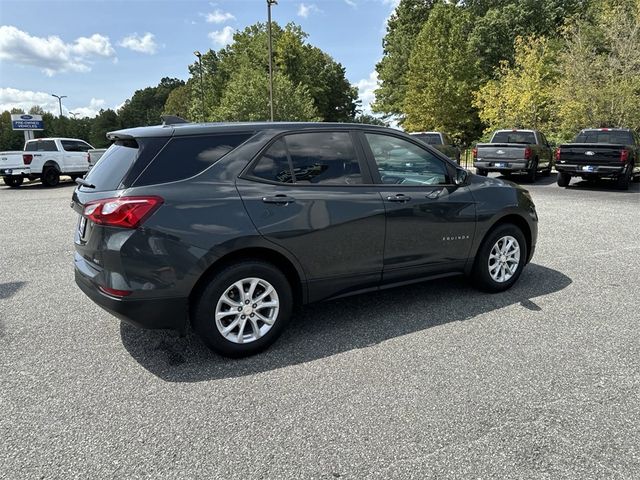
(41,146)
(514,137)
(429,138)
(108,172)
(603,136)
(184,157)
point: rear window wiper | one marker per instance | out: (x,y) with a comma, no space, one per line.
(84,183)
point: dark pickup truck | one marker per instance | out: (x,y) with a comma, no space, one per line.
(514,151)
(440,141)
(600,153)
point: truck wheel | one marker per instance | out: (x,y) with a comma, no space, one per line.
(50,177)
(13,182)
(500,259)
(623,180)
(563,179)
(533,172)
(243,308)
(481,172)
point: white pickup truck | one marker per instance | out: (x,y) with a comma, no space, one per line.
(45,159)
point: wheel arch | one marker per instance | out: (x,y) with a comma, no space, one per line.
(51,163)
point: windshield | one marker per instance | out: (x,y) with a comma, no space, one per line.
(514,137)
(604,136)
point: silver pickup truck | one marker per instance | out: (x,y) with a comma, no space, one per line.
(514,151)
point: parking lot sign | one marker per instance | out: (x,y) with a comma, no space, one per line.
(21,121)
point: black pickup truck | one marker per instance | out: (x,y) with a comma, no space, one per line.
(600,153)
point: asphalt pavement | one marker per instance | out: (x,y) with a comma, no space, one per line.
(434,380)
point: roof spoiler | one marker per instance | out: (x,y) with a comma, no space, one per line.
(172,120)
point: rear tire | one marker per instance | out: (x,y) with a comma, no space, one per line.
(50,177)
(500,259)
(13,182)
(533,172)
(481,172)
(216,308)
(563,179)
(623,180)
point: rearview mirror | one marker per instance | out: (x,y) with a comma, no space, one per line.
(461,176)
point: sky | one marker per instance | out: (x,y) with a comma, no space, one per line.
(99,52)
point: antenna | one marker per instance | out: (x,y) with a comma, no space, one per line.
(172,120)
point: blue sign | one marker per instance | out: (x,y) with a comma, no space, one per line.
(21,121)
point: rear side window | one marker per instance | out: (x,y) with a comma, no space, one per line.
(429,138)
(75,146)
(323,158)
(603,136)
(514,137)
(184,157)
(41,146)
(108,172)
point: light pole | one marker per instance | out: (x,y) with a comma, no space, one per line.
(269,4)
(59,97)
(199,55)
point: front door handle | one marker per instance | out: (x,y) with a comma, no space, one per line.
(279,199)
(398,198)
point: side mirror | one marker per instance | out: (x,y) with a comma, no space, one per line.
(461,177)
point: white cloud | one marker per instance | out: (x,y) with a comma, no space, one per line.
(144,44)
(52,54)
(305,10)
(218,16)
(25,99)
(222,37)
(366,91)
(351,3)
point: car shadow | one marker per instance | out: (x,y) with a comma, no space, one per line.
(8,290)
(540,179)
(602,185)
(37,185)
(329,328)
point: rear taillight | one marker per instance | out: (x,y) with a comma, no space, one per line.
(475,153)
(558,154)
(125,212)
(114,292)
(27,159)
(624,155)
(527,153)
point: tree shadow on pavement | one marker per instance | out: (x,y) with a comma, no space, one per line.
(325,329)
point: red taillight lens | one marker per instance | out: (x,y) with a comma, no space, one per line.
(27,159)
(114,292)
(125,212)
(557,154)
(475,153)
(527,153)
(624,155)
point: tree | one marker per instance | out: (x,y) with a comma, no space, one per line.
(106,121)
(599,83)
(522,95)
(146,105)
(403,28)
(442,77)
(179,102)
(246,98)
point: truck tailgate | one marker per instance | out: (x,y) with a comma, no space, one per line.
(501,151)
(592,154)
(11,160)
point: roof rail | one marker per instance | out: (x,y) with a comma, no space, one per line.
(172,120)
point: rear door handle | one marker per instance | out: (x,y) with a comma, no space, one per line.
(398,198)
(279,199)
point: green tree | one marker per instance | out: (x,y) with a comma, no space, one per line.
(146,105)
(179,102)
(403,28)
(106,121)
(441,78)
(9,139)
(522,95)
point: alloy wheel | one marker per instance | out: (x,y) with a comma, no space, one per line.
(504,259)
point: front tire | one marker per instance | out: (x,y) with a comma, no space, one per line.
(481,172)
(500,259)
(243,308)
(13,182)
(50,177)
(563,179)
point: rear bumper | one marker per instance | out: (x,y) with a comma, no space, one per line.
(15,172)
(595,170)
(150,313)
(504,166)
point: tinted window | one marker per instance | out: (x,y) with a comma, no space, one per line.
(41,146)
(429,138)
(184,157)
(323,158)
(514,137)
(108,172)
(603,136)
(74,146)
(402,162)
(274,164)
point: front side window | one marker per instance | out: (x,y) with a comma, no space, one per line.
(274,165)
(402,162)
